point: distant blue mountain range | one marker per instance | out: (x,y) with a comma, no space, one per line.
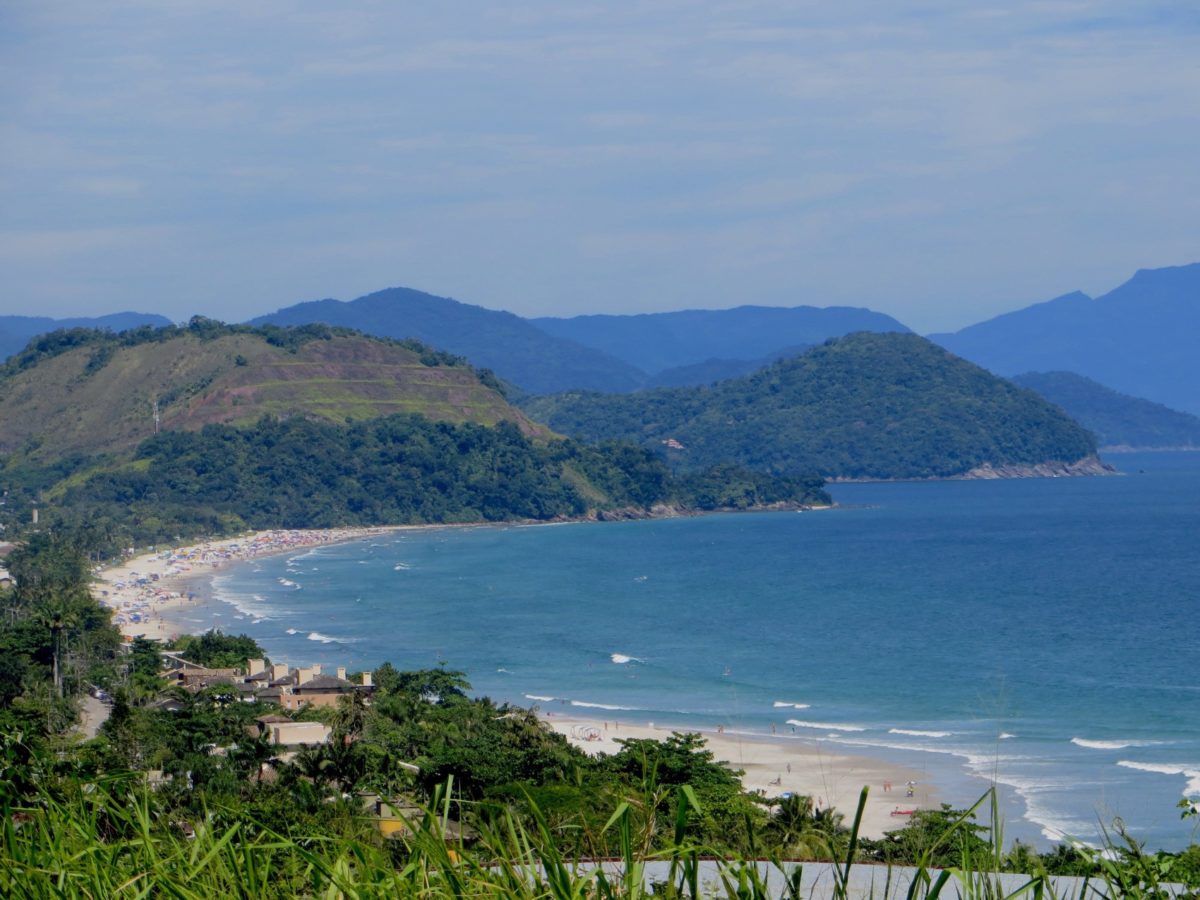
(613,354)
(655,342)
(512,347)
(1143,338)
(16,331)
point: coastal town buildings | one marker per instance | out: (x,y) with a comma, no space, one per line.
(291,688)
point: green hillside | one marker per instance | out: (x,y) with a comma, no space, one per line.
(90,391)
(1117,420)
(391,471)
(863,406)
(303,428)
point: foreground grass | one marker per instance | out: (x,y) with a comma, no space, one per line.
(105,840)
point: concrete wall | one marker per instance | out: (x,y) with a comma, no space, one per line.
(283,733)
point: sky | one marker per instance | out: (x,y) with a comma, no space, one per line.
(942,162)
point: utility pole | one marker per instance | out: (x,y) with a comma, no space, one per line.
(156,415)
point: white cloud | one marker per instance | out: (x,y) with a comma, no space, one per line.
(526,153)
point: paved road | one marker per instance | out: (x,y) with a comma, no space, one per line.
(94,715)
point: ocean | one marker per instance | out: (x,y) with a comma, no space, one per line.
(1037,634)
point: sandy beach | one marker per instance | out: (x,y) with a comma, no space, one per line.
(145,591)
(776,765)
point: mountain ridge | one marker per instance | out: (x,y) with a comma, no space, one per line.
(1118,420)
(656,342)
(17,331)
(507,344)
(1142,338)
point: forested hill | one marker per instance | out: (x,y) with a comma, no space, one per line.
(304,428)
(85,392)
(1116,419)
(862,406)
(507,344)
(392,471)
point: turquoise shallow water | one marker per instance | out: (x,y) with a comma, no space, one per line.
(1042,633)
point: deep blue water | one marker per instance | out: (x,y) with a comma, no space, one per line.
(1043,633)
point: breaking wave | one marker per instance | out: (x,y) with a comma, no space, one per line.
(608,706)
(825,726)
(1110,745)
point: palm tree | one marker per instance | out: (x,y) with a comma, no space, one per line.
(349,717)
(313,763)
(804,830)
(58,615)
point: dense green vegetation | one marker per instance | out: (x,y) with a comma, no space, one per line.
(185,799)
(351,431)
(396,470)
(1116,419)
(55,640)
(217,650)
(863,406)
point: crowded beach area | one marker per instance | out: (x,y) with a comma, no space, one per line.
(146,590)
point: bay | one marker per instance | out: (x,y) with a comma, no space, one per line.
(1037,634)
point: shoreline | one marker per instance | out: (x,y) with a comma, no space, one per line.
(141,588)
(146,592)
(774,765)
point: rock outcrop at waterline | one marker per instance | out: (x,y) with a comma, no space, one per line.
(1089,465)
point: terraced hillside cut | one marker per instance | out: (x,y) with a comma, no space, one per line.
(91,392)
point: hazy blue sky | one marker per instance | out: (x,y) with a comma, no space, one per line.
(939,161)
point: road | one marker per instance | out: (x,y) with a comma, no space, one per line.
(94,715)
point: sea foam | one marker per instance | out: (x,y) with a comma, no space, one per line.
(254,606)
(781,704)
(1111,745)
(539,698)
(620,659)
(913,732)
(609,706)
(1189,771)
(324,638)
(825,726)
